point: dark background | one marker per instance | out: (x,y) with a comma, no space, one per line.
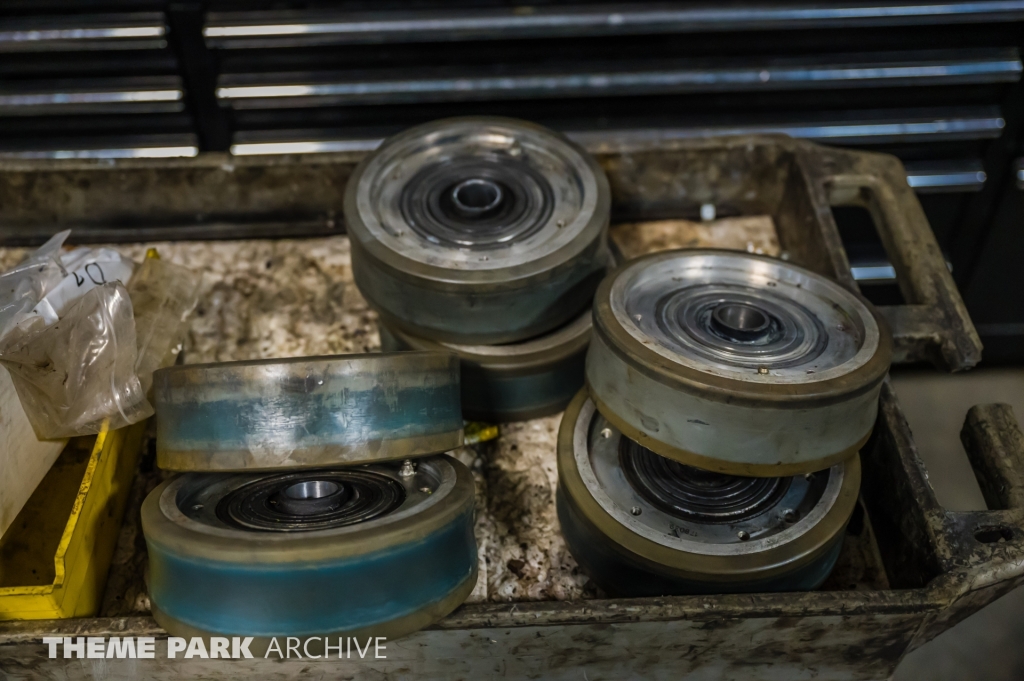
(940,89)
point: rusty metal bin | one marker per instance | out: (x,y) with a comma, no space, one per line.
(937,566)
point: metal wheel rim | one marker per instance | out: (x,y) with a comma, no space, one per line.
(800,550)
(669,302)
(644,523)
(200,533)
(578,216)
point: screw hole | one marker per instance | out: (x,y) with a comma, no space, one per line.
(993,535)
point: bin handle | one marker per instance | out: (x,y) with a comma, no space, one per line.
(934,324)
(981,552)
(995,448)
(992,541)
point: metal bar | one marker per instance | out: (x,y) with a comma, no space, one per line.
(946,177)
(976,223)
(983,125)
(125,146)
(995,446)
(1004,66)
(58,33)
(305,147)
(92,95)
(184,151)
(251,29)
(968,181)
(101,97)
(873,273)
(850,133)
(877,271)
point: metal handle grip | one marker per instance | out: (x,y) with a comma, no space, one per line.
(933,325)
(995,447)
(975,556)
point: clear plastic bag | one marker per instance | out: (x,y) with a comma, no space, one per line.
(23,287)
(77,373)
(80,346)
(163,296)
(86,269)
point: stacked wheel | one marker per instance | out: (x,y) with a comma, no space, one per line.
(644,525)
(364,551)
(265,415)
(715,447)
(488,237)
(316,504)
(513,381)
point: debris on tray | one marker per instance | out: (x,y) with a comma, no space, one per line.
(750,233)
(284,298)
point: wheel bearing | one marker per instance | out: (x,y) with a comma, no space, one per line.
(389,573)
(478,230)
(784,538)
(736,363)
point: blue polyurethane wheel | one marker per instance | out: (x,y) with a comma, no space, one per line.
(478,230)
(738,363)
(515,381)
(644,525)
(377,550)
(307,412)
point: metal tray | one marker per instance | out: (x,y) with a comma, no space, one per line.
(217,196)
(940,566)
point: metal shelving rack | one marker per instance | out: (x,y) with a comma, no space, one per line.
(939,85)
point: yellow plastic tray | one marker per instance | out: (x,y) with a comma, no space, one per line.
(55,556)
